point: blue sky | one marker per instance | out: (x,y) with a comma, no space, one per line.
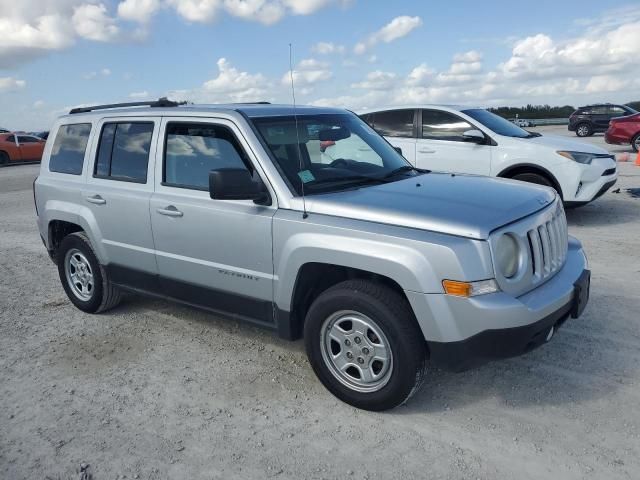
(352,53)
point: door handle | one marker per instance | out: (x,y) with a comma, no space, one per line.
(425,150)
(96,199)
(170,211)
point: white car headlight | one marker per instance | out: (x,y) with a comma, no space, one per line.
(580,157)
(507,256)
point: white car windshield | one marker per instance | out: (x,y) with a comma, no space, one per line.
(497,124)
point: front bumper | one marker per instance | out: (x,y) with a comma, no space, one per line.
(464,332)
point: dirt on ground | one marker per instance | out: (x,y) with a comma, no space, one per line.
(153,390)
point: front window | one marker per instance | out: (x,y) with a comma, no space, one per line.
(330,152)
(497,124)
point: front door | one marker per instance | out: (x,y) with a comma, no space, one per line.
(118,189)
(213,253)
(30,148)
(398,127)
(441,146)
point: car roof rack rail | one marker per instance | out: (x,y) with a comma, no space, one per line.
(163,102)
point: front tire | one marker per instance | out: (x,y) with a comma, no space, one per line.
(365,345)
(584,130)
(635,143)
(4,158)
(533,178)
(84,280)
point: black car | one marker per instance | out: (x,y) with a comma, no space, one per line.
(595,118)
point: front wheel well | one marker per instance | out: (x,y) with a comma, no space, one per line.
(315,278)
(58,230)
(519,169)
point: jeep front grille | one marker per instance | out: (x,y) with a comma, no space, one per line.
(548,243)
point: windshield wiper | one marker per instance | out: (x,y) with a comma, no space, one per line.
(350,178)
(404,168)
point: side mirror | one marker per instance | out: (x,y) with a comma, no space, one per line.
(475,136)
(398,149)
(236,184)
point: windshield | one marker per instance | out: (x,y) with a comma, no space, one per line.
(330,152)
(497,124)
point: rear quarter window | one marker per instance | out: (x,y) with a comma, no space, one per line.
(69,147)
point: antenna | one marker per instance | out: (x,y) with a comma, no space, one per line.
(295,116)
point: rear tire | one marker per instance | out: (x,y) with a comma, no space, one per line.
(4,158)
(84,280)
(584,130)
(365,345)
(635,143)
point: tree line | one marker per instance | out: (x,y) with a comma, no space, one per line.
(543,111)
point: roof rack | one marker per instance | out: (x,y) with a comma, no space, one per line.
(163,102)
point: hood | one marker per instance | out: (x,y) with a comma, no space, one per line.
(462,205)
(564,143)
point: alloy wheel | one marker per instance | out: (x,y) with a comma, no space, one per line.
(356,351)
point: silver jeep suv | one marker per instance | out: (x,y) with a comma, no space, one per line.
(307,222)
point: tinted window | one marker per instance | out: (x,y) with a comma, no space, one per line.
(368,118)
(123,152)
(11,138)
(67,154)
(23,139)
(193,150)
(495,123)
(617,111)
(599,110)
(394,123)
(440,125)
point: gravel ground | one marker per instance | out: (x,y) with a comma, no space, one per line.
(152,390)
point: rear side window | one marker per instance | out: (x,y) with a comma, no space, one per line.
(394,123)
(192,150)
(438,125)
(123,151)
(67,154)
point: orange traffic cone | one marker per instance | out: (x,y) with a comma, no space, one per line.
(638,160)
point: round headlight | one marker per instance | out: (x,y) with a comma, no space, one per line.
(507,256)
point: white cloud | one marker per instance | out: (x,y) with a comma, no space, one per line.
(138,10)
(139,95)
(267,12)
(231,85)
(8,84)
(377,80)
(105,72)
(308,72)
(38,104)
(420,75)
(327,48)
(33,28)
(397,28)
(93,23)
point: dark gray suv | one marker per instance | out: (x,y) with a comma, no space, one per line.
(586,121)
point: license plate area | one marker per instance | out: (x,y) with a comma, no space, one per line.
(581,294)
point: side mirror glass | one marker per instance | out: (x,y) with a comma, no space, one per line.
(236,184)
(474,135)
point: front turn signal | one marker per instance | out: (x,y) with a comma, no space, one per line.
(469,289)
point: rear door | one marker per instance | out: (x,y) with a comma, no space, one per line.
(441,146)
(118,189)
(398,127)
(600,116)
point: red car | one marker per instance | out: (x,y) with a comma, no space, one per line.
(624,130)
(15,147)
